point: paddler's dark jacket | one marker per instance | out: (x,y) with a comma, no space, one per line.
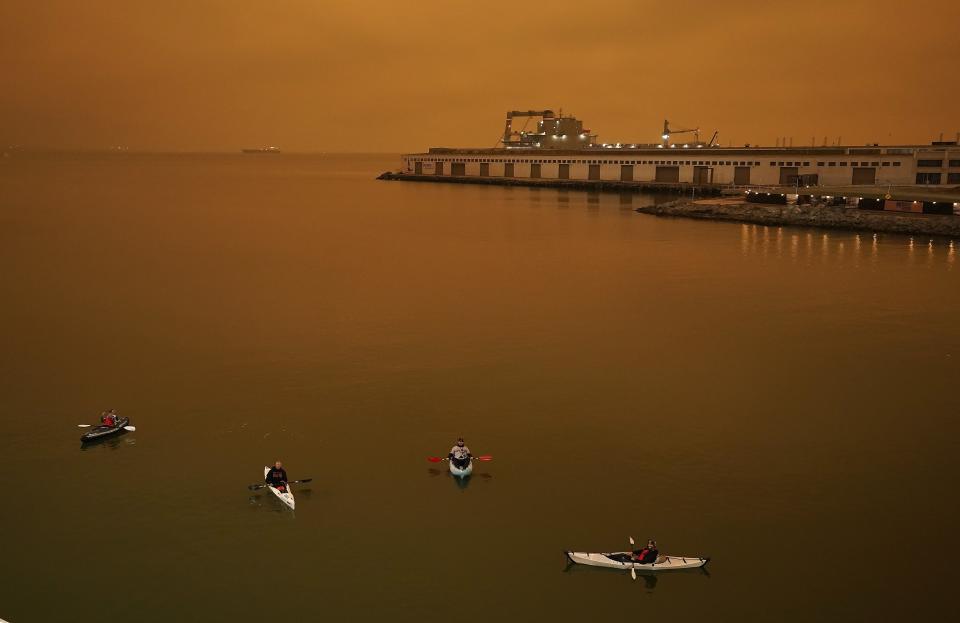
(276,476)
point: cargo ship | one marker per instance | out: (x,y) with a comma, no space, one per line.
(559,148)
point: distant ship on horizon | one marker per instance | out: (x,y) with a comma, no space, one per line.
(262,150)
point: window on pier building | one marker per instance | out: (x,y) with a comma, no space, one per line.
(953,178)
(821,164)
(806,164)
(955,163)
(833,164)
(843,164)
(885,164)
(874,164)
(928,178)
(896,164)
(929,163)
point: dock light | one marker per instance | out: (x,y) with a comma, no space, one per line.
(659,146)
(665,137)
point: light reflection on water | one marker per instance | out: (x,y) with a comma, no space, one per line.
(841,248)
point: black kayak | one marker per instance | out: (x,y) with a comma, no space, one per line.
(99,432)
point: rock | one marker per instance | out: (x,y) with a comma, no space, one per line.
(812,216)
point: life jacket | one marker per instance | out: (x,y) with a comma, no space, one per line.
(109,420)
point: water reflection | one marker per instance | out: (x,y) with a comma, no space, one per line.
(650,579)
(113,442)
(839,248)
(460,483)
(259,501)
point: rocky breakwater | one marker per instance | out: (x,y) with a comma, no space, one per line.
(833,217)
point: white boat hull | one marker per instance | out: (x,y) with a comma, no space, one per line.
(284,496)
(668,562)
(461,473)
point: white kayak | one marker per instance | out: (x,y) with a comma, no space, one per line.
(284,496)
(461,472)
(665,563)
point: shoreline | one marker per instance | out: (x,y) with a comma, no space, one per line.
(829,217)
(714,206)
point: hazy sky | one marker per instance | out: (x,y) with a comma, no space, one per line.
(403,76)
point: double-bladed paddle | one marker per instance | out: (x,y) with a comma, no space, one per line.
(129,428)
(437,459)
(292,482)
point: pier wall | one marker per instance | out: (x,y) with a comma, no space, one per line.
(745,167)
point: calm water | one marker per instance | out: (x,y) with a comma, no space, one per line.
(782,400)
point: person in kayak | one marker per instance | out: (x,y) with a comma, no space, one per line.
(460,454)
(277,477)
(109,418)
(648,554)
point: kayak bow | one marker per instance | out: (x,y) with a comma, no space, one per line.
(461,472)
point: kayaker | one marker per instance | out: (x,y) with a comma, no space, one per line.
(108,418)
(460,453)
(277,477)
(648,554)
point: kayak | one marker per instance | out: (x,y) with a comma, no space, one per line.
(617,560)
(284,496)
(99,432)
(461,471)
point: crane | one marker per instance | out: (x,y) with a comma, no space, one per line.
(667,132)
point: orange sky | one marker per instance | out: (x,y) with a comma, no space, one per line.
(403,76)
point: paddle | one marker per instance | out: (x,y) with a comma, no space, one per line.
(129,428)
(437,459)
(633,569)
(292,482)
